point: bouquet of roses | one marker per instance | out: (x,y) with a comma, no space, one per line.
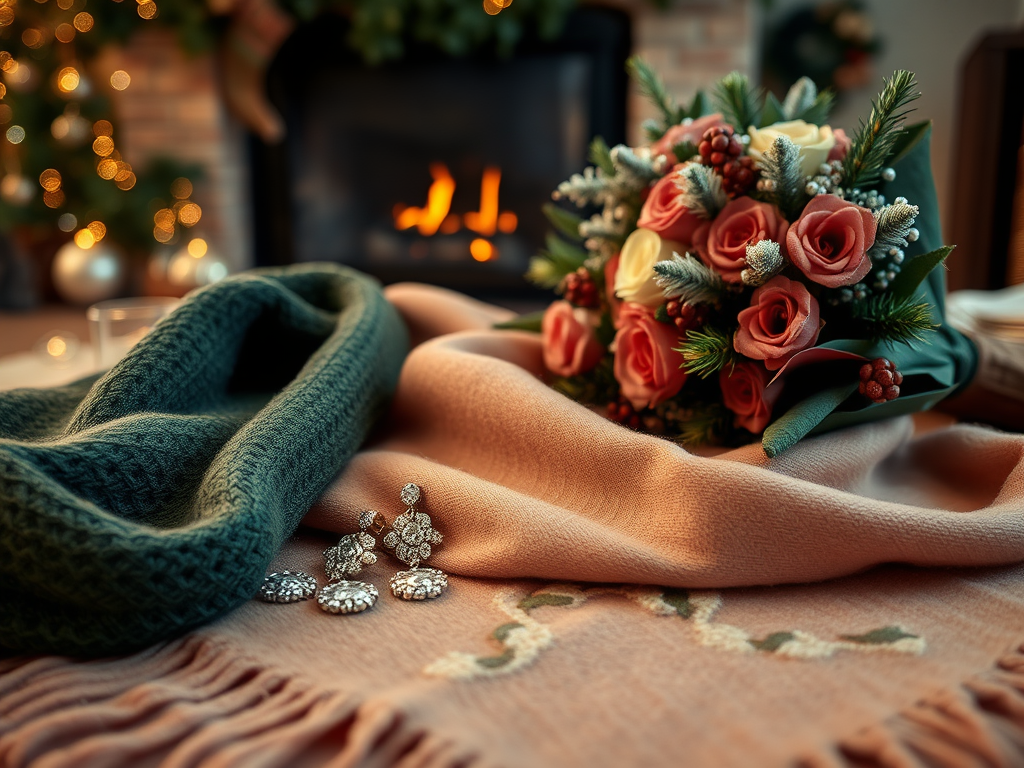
(752,271)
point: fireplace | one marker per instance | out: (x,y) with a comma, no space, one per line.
(433,169)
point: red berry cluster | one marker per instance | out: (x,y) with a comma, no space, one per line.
(879,380)
(722,150)
(622,412)
(686,316)
(580,289)
(718,146)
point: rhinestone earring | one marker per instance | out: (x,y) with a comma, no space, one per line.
(411,536)
(347,558)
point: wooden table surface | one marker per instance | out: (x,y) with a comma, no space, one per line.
(19,331)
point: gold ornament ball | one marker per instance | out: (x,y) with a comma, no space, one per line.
(87,275)
(189,268)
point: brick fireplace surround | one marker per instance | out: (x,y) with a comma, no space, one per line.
(174,103)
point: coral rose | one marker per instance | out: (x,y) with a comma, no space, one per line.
(634,280)
(692,131)
(569,339)
(646,366)
(829,242)
(815,142)
(744,393)
(722,243)
(664,212)
(782,319)
(842,145)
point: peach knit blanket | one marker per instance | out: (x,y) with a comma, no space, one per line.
(609,602)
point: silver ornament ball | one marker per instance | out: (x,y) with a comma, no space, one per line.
(87,275)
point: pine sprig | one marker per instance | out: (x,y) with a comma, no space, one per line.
(876,138)
(705,425)
(701,190)
(892,319)
(566,222)
(591,186)
(892,225)
(653,90)
(707,352)
(780,165)
(601,156)
(739,103)
(689,280)
(632,169)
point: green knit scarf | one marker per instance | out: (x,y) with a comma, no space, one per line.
(148,501)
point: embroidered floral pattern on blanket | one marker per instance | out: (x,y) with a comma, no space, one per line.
(524,638)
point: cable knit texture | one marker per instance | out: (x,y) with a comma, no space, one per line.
(148,501)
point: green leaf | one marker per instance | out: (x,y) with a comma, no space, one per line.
(699,107)
(914,272)
(739,103)
(652,130)
(907,140)
(653,89)
(684,151)
(528,322)
(787,430)
(661,315)
(818,112)
(773,111)
(882,636)
(566,222)
(773,642)
(601,156)
(707,352)
(565,255)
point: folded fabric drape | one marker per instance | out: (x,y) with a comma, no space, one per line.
(150,500)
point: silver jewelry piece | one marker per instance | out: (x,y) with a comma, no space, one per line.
(353,550)
(347,597)
(411,536)
(287,587)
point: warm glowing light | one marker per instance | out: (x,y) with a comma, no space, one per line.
(50,180)
(102,128)
(147,10)
(439,200)
(68,79)
(32,38)
(5,60)
(64,32)
(15,134)
(84,239)
(124,170)
(67,222)
(84,21)
(197,248)
(60,127)
(65,5)
(53,199)
(6,114)
(6,16)
(494,7)
(450,225)
(98,229)
(120,80)
(190,214)
(126,183)
(485,221)
(482,250)
(103,146)
(56,346)
(507,222)
(164,219)
(181,188)
(106,169)
(3,90)
(162,235)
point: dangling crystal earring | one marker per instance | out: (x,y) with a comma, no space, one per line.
(411,536)
(347,558)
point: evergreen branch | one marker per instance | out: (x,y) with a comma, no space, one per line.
(601,156)
(738,102)
(564,221)
(705,425)
(653,90)
(631,169)
(699,107)
(591,186)
(875,139)
(701,190)
(707,352)
(892,225)
(819,111)
(603,225)
(780,165)
(892,319)
(684,151)
(764,261)
(799,98)
(652,130)
(689,280)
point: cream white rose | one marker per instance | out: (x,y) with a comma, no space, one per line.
(814,142)
(634,280)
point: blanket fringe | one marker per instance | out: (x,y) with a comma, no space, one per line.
(979,723)
(196,702)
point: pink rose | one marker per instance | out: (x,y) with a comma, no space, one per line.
(569,339)
(646,367)
(782,319)
(743,392)
(664,213)
(614,302)
(841,147)
(722,243)
(691,132)
(829,242)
